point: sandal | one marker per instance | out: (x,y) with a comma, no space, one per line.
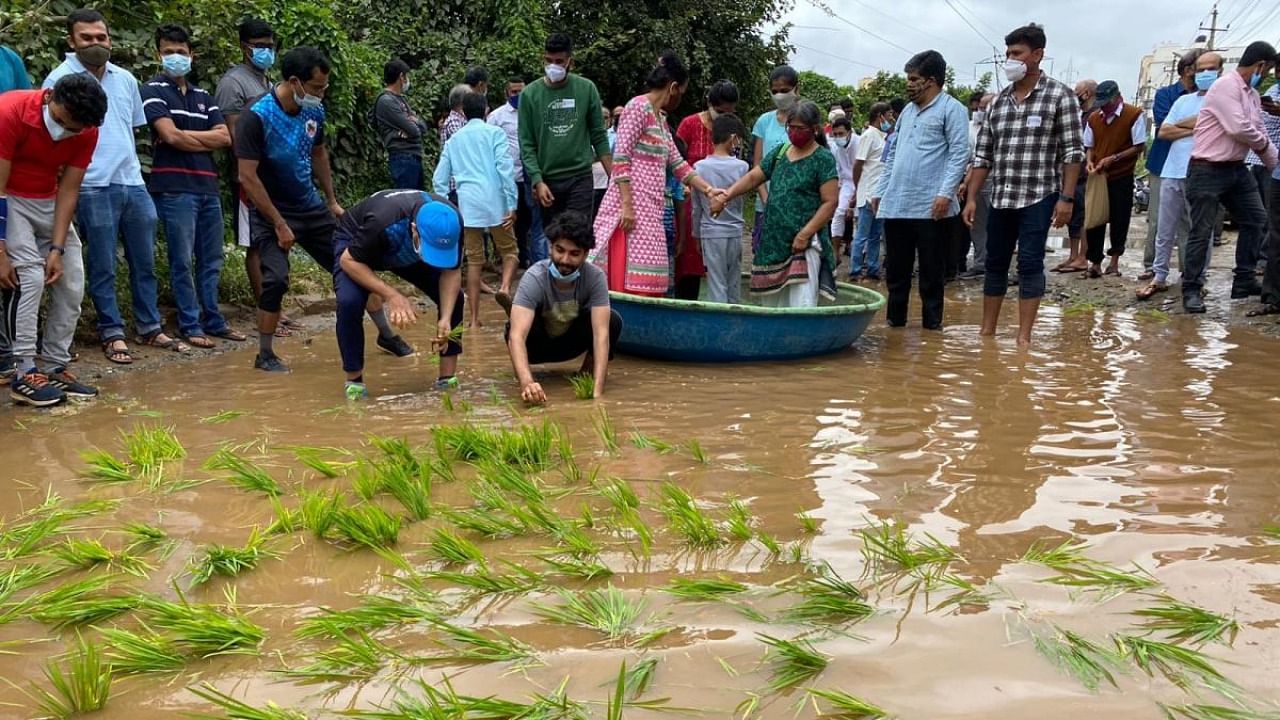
(1112,271)
(200,341)
(282,330)
(1266,309)
(1147,275)
(118,355)
(1151,289)
(1093,273)
(153,340)
(229,334)
(291,323)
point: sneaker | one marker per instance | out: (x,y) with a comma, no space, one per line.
(973,275)
(447,383)
(270,362)
(70,386)
(35,390)
(1193,304)
(395,345)
(356,391)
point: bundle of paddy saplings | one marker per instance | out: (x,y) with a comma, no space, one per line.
(472,486)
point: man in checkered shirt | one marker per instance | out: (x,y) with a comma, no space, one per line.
(1031,146)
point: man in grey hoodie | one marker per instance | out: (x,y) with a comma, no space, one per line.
(400,129)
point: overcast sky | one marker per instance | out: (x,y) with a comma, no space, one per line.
(1099,39)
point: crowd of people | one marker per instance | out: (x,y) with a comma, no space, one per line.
(586,199)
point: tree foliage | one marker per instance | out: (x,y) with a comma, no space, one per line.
(617,44)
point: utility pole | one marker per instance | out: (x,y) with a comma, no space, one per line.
(1213,26)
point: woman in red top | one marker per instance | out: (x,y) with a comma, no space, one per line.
(695,131)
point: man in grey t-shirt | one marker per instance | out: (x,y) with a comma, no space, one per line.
(238,88)
(561,310)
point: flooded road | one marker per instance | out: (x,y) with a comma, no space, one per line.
(1152,440)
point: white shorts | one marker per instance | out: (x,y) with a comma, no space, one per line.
(242,224)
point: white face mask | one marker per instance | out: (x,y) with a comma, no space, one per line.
(556,73)
(1015,70)
(979,117)
(56,131)
(842,141)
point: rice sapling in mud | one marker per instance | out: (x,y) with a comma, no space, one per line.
(416,236)
(561,311)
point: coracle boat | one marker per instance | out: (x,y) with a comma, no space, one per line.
(696,331)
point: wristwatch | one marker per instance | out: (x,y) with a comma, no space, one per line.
(62,250)
(1066,199)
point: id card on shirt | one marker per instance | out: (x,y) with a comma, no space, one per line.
(1034,121)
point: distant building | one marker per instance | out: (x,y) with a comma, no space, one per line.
(1159,67)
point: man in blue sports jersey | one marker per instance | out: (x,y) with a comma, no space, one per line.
(280,148)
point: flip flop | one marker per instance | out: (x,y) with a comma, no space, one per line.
(1151,289)
(119,357)
(200,341)
(282,331)
(153,340)
(1266,309)
(1071,269)
(1112,271)
(229,334)
(1093,274)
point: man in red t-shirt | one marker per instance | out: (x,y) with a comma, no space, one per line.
(42,133)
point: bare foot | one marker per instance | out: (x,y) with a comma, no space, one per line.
(475,323)
(1024,343)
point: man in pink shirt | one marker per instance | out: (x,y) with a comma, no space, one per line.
(1228,126)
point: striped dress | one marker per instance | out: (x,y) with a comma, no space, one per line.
(637,262)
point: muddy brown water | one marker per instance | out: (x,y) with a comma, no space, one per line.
(1153,439)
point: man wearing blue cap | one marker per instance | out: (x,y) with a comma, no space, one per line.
(417,236)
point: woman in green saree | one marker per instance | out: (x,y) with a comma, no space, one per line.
(795,262)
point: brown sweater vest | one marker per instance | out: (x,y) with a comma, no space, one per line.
(1115,138)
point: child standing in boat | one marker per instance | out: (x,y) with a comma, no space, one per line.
(721,235)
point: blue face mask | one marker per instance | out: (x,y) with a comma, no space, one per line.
(514,102)
(1256,80)
(176,65)
(556,274)
(886,126)
(263,58)
(1205,78)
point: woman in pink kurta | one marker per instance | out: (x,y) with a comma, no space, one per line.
(631,244)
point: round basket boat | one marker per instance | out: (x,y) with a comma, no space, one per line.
(696,331)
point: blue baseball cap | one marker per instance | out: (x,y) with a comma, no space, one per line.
(439,232)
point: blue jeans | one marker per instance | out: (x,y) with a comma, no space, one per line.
(539,247)
(866,239)
(406,171)
(1026,228)
(193,229)
(105,214)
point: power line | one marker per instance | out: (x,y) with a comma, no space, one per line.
(837,57)
(831,13)
(907,25)
(956,10)
(976,16)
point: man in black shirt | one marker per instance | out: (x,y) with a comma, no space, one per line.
(417,236)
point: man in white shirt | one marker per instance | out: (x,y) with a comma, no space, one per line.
(978,233)
(867,167)
(844,145)
(528,219)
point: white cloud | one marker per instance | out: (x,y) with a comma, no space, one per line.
(1099,39)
